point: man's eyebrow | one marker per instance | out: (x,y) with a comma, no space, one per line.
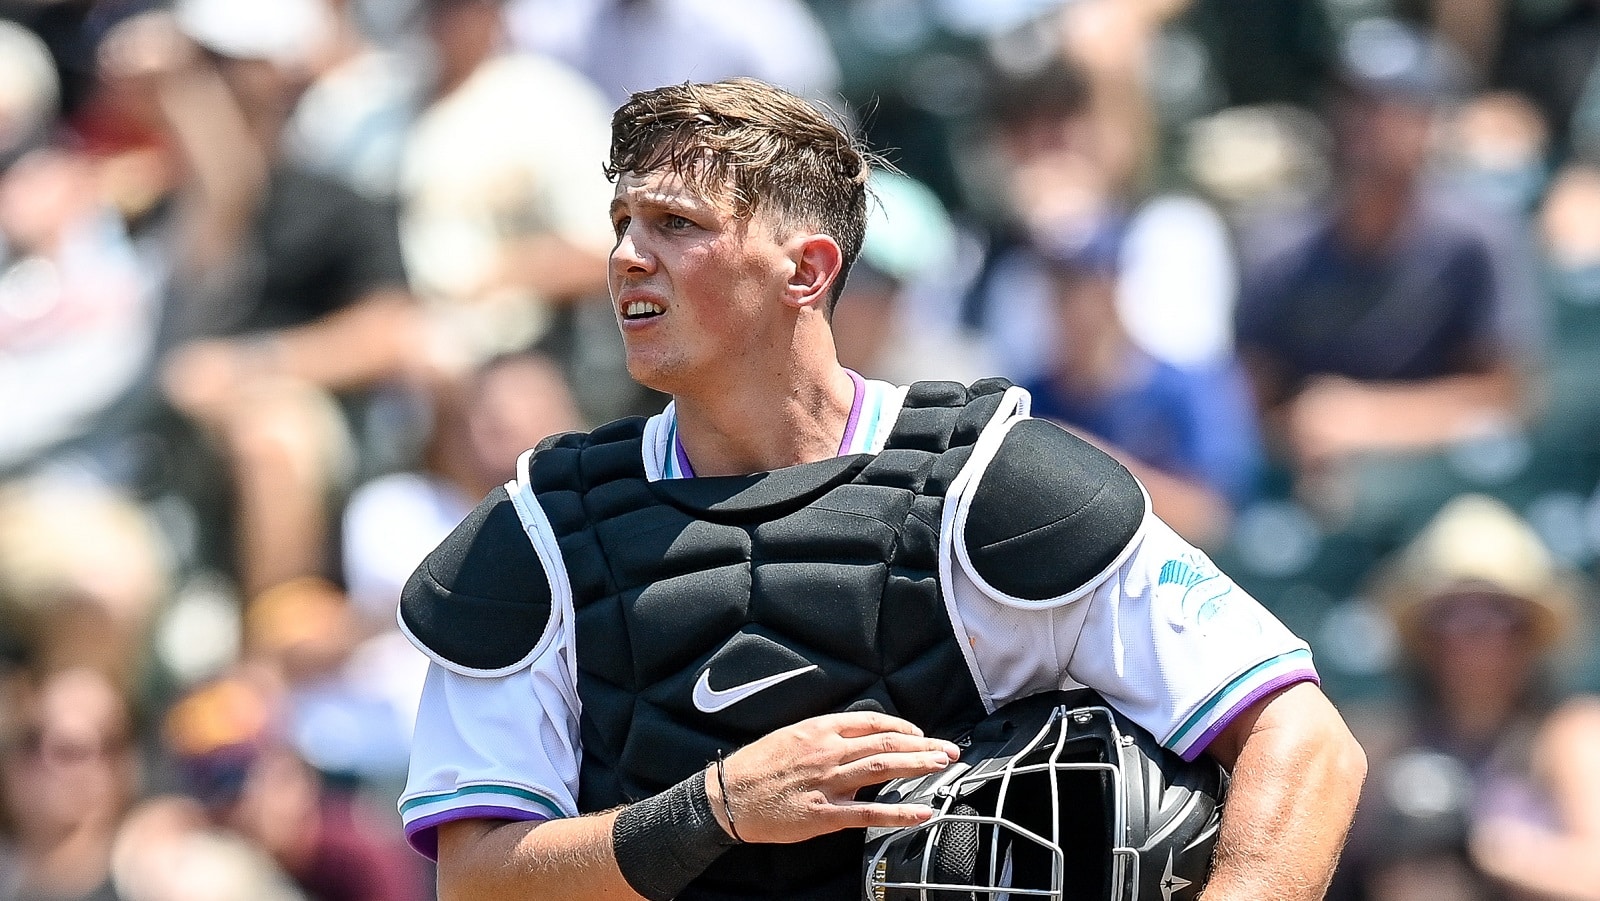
(666,202)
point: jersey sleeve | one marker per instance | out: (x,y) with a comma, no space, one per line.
(1176,646)
(1165,637)
(502,748)
(495,738)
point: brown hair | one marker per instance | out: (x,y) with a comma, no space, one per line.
(764,148)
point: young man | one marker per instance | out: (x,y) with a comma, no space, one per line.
(671,649)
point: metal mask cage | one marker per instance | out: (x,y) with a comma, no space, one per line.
(993,806)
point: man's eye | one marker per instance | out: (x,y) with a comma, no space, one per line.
(678,223)
(620,225)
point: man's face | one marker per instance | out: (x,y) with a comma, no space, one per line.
(1480,645)
(1382,136)
(696,291)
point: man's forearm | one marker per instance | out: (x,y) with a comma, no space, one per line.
(1289,806)
(488,860)
(375,338)
(228,171)
(553,267)
(653,848)
(793,784)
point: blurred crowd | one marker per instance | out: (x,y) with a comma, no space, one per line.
(287,286)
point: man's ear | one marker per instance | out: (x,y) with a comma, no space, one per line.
(817,263)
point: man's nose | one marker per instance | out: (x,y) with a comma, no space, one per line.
(628,257)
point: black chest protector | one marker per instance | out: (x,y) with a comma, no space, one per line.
(711,611)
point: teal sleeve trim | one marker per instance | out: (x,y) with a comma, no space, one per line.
(1200,715)
(506,790)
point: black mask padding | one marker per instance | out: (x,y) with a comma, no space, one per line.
(956,859)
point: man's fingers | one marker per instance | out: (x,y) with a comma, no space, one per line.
(860,814)
(883,767)
(895,743)
(864,722)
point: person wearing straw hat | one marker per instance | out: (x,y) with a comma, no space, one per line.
(1493,788)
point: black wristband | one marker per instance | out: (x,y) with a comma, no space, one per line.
(665,842)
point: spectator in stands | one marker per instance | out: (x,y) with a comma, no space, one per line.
(898,318)
(285,285)
(168,850)
(1546,52)
(83,570)
(498,206)
(1491,788)
(1389,317)
(1569,230)
(499,184)
(480,426)
(1053,189)
(78,322)
(231,748)
(69,771)
(1498,150)
(1071,173)
(1189,432)
(1053,299)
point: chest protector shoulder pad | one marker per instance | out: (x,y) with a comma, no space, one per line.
(1049,517)
(479,604)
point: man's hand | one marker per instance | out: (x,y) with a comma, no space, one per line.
(147,46)
(209,378)
(801,781)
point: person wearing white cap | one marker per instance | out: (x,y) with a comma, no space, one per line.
(286,33)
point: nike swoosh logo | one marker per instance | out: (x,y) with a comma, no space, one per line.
(710,700)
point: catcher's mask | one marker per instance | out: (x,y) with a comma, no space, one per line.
(1057,797)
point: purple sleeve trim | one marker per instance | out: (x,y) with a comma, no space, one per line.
(423,832)
(1256,694)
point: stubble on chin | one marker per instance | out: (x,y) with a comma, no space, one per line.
(658,372)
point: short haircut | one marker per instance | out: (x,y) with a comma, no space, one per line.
(765,149)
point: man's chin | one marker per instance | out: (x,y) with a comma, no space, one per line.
(655,375)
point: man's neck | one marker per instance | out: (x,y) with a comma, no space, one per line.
(764,424)
(1099,365)
(1374,211)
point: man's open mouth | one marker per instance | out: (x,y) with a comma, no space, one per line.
(642,309)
